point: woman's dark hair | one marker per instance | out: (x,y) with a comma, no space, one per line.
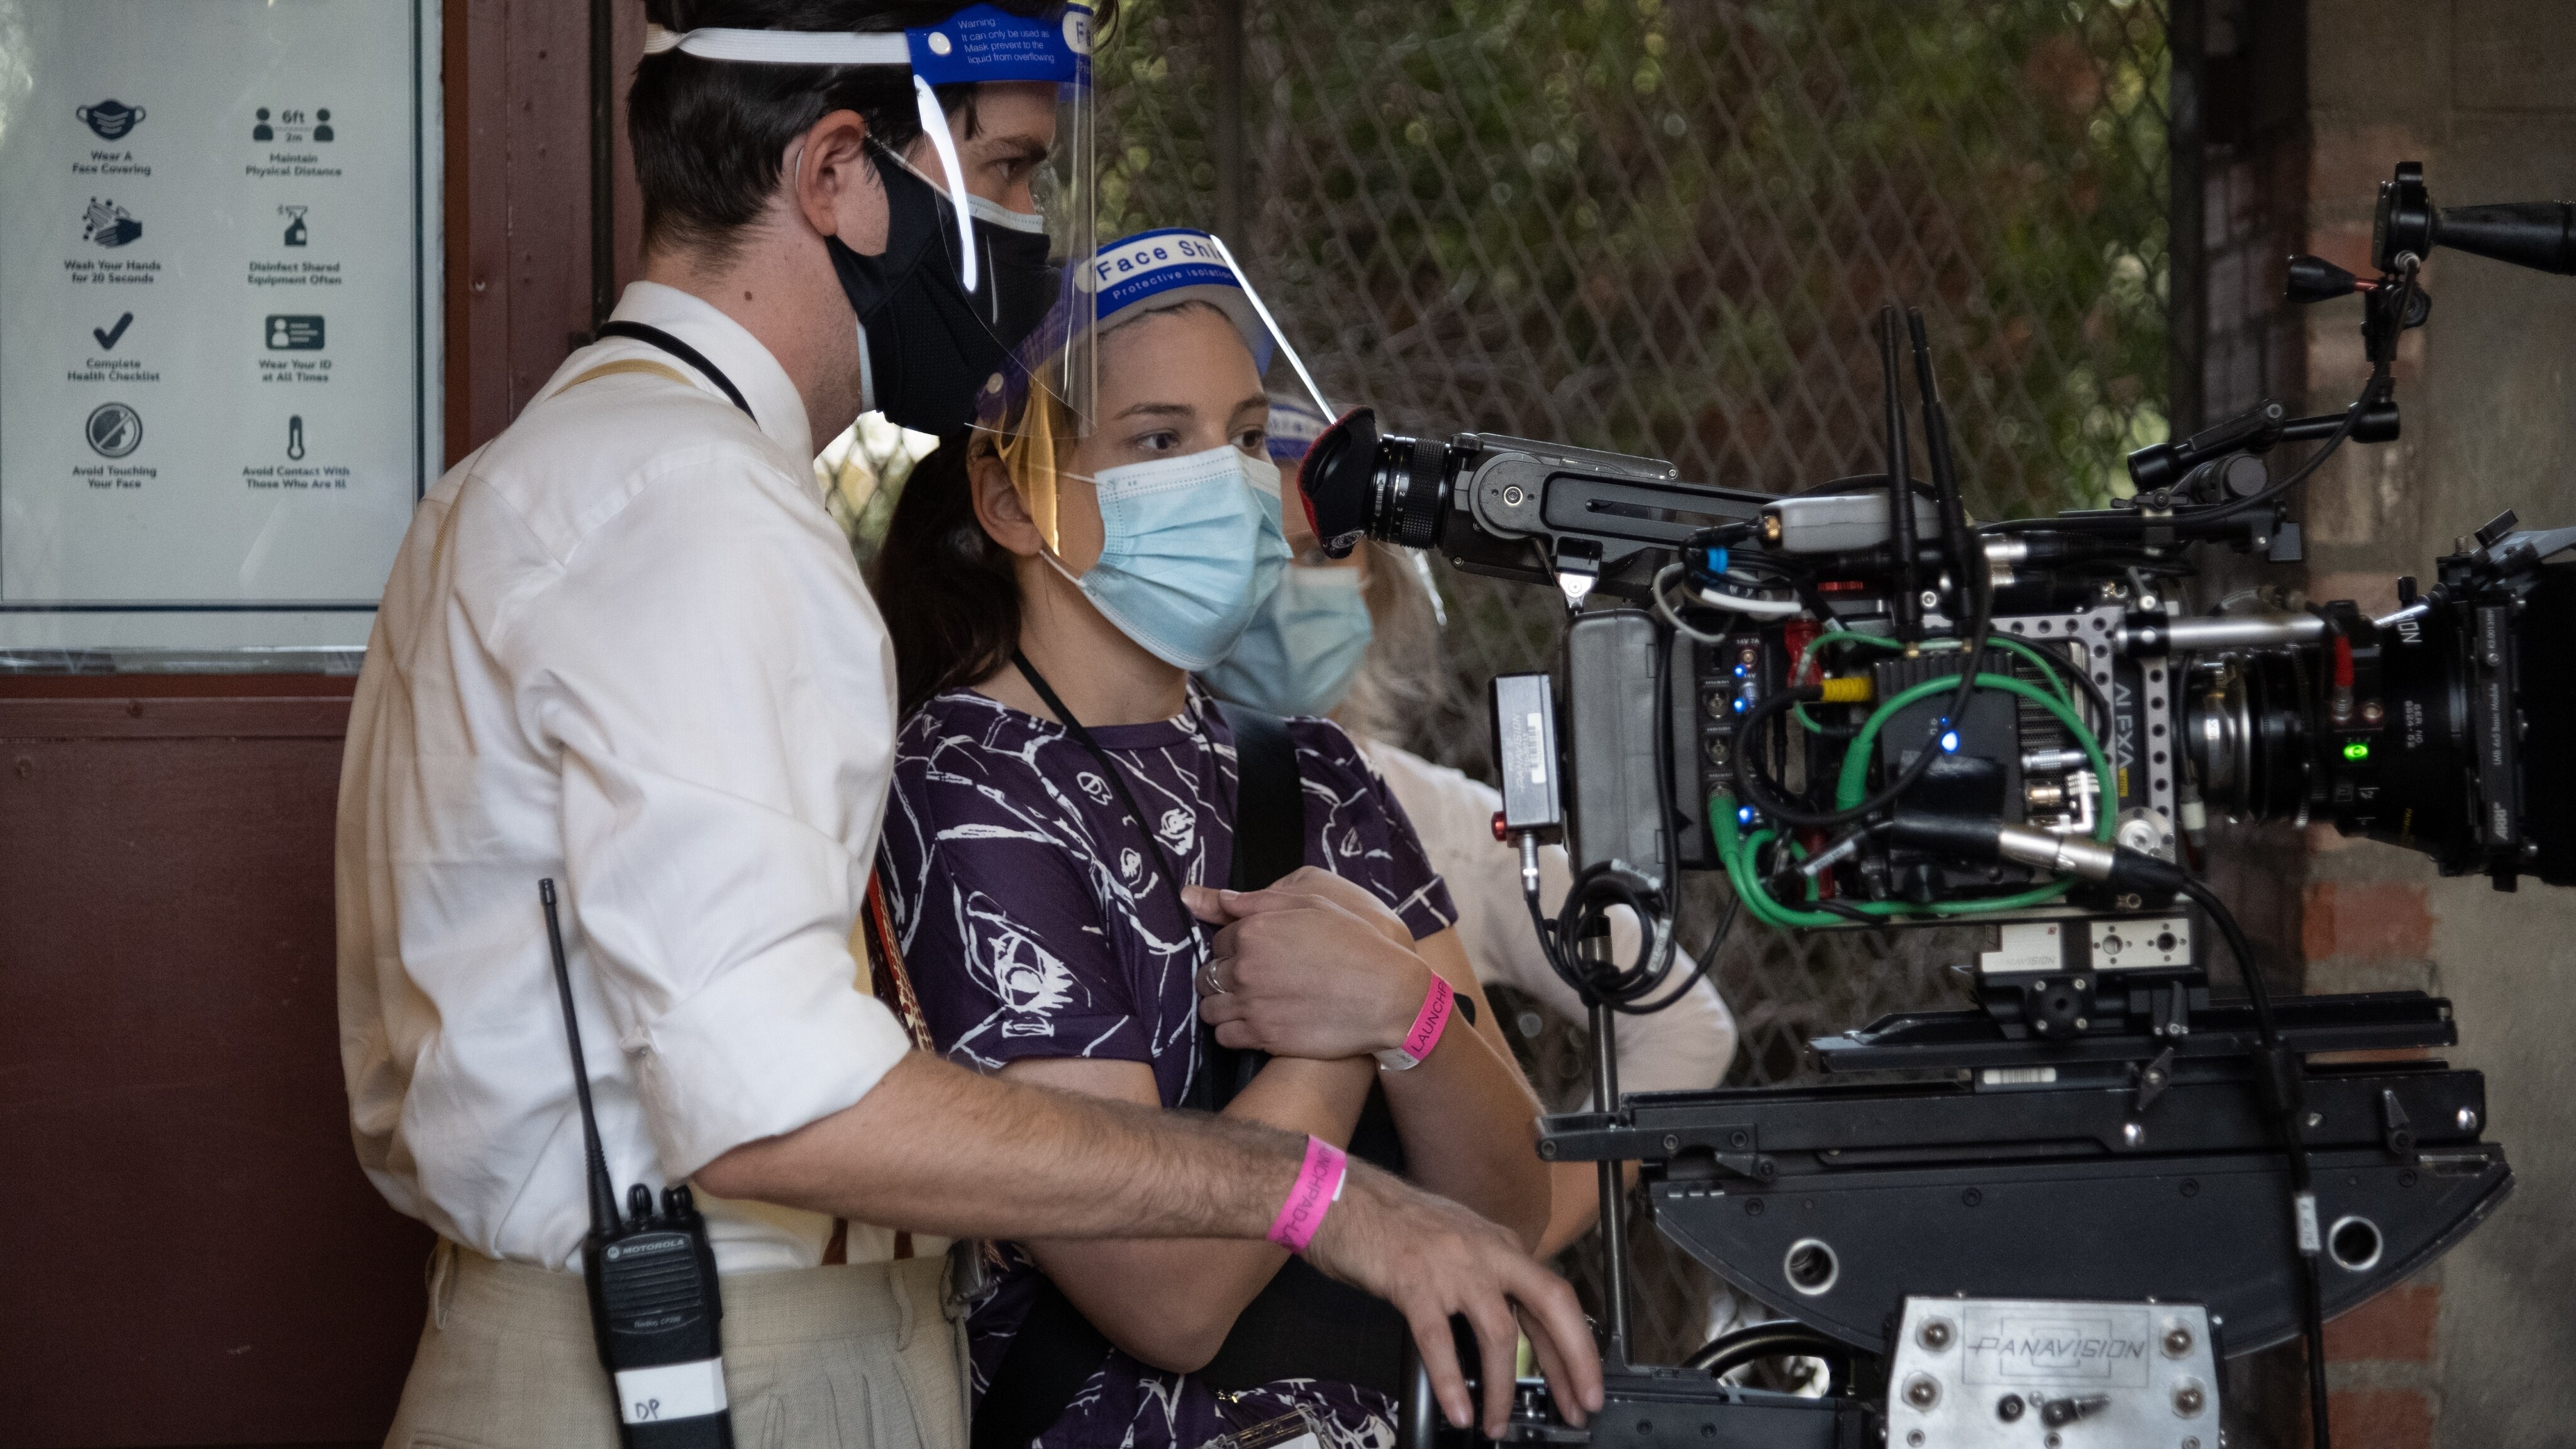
(950,600)
(709,134)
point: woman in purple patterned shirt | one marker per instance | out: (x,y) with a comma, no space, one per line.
(1054,901)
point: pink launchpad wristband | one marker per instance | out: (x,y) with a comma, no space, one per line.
(1438,1004)
(1317,1188)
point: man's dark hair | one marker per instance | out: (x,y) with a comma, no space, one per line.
(710,135)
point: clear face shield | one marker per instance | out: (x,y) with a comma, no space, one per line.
(961,283)
(1021,148)
(1050,398)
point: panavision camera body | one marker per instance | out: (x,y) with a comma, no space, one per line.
(1868,711)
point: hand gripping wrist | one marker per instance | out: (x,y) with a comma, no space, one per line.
(1438,1004)
(1317,1188)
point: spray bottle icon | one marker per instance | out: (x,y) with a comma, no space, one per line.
(295,436)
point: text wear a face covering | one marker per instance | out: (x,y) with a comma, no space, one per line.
(929,343)
(1189,549)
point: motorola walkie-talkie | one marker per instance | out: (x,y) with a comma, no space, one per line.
(652,1279)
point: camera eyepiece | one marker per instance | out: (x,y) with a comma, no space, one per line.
(1361,484)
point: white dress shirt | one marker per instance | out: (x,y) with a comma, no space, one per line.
(1686,1046)
(624,647)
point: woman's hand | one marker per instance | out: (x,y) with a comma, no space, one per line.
(1216,906)
(1296,973)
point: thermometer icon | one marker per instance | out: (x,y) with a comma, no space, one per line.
(295,436)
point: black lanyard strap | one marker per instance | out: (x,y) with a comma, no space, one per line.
(1117,781)
(656,337)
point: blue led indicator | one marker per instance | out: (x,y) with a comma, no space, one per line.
(1950,742)
(1743,671)
(1744,814)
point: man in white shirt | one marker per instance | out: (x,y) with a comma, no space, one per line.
(625,648)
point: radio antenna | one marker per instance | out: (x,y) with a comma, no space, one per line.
(603,1194)
(1906,605)
(1937,456)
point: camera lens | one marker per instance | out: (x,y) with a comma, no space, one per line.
(2247,725)
(2446,728)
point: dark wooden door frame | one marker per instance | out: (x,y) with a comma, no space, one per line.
(198,1258)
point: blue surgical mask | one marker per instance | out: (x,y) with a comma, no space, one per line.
(1189,549)
(1303,647)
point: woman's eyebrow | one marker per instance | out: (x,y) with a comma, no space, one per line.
(1259,400)
(1158,410)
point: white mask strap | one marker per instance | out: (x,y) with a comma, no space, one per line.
(1430,586)
(1268,321)
(784,47)
(934,124)
(1058,565)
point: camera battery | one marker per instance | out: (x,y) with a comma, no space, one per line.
(1524,715)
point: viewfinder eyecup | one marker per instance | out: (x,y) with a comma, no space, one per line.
(1334,480)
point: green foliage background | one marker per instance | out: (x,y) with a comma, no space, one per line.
(1666,227)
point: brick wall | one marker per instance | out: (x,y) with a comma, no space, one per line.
(2473,1351)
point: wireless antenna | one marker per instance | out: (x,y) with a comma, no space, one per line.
(603,1195)
(1905,604)
(1937,455)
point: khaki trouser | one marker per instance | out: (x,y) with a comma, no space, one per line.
(859,1357)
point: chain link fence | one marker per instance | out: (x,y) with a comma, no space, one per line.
(1666,227)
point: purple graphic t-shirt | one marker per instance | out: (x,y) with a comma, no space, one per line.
(1035,923)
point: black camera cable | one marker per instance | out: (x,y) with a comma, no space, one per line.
(1626,989)
(1765,794)
(2279,1074)
(1969,576)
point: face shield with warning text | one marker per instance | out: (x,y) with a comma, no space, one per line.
(1020,147)
(1036,429)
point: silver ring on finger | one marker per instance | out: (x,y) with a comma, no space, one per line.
(1215,986)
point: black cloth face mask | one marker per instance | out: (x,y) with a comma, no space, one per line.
(931,346)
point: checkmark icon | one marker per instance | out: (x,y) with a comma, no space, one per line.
(107,335)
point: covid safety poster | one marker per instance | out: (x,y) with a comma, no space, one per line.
(218,296)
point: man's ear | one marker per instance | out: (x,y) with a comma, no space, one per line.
(998,507)
(834,183)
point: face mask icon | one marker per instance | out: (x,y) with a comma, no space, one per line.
(110,118)
(107,224)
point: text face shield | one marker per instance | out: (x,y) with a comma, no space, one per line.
(1022,151)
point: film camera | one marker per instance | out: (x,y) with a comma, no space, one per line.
(2047,1219)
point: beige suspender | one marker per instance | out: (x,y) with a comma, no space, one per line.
(631,364)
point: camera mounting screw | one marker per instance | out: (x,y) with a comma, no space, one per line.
(1922,1392)
(2177,1341)
(1935,1334)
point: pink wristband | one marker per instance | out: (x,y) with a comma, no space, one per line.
(1317,1188)
(1437,1005)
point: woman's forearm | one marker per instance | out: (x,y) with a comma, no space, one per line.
(1466,1115)
(1125,1287)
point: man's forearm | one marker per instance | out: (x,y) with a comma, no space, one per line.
(938,1149)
